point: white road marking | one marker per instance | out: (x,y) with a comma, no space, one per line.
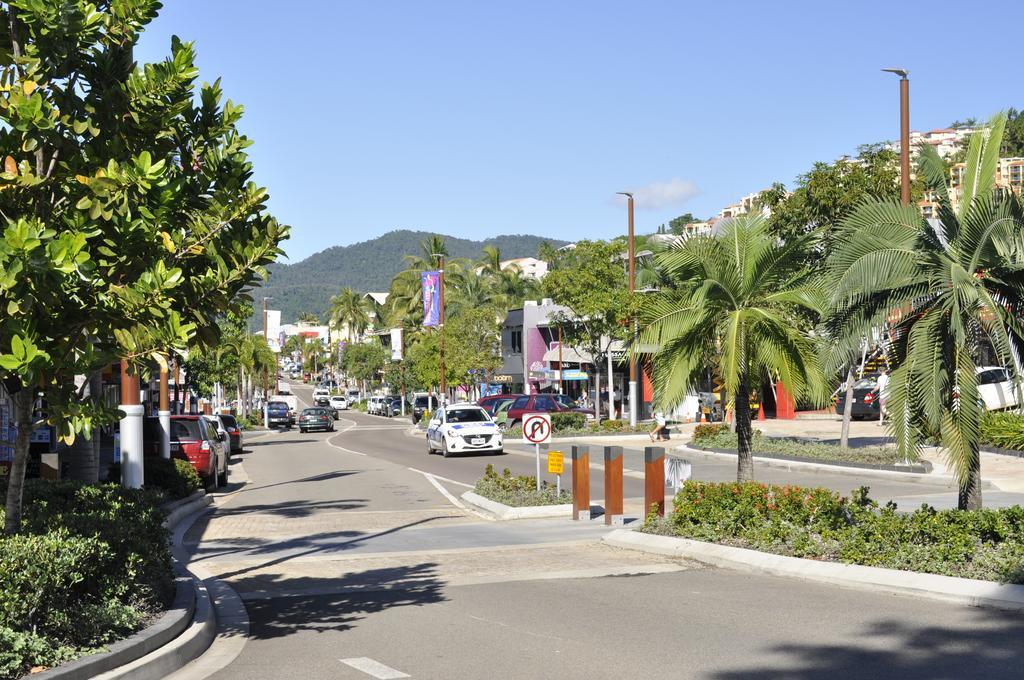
(451,498)
(374,668)
(443,479)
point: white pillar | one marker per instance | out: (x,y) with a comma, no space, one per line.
(634,405)
(165,434)
(266,414)
(131,446)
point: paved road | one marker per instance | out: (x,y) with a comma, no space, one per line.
(354,566)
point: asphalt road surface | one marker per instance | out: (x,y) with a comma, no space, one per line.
(352,565)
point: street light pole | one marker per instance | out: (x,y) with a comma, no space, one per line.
(904,132)
(632,287)
(440,284)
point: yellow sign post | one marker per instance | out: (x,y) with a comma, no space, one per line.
(556,465)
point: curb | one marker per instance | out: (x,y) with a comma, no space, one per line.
(1002,452)
(507,512)
(965,591)
(186,507)
(913,477)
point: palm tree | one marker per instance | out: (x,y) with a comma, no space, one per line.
(491,261)
(732,305)
(951,289)
(349,309)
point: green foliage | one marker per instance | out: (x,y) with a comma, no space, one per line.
(364,361)
(708,431)
(732,303)
(518,491)
(569,420)
(1003,430)
(91,563)
(820,524)
(876,455)
(677,225)
(614,425)
(176,477)
(957,288)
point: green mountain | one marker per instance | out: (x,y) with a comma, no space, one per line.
(307,285)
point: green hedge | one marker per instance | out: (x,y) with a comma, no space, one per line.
(568,420)
(91,564)
(174,477)
(518,491)
(820,524)
(1003,430)
(718,436)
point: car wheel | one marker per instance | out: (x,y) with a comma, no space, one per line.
(222,477)
(444,449)
(430,449)
(302,430)
(210,482)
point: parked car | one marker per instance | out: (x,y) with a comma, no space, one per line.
(316,418)
(491,402)
(393,406)
(376,406)
(321,396)
(462,428)
(277,415)
(234,432)
(996,388)
(538,403)
(338,403)
(196,441)
(422,405)
(865,399)
(500,415)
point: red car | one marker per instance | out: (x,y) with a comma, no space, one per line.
(489,403)
(192,439)
(540,403)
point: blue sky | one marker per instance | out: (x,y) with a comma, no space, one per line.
(481,118)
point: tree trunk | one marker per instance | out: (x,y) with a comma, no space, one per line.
(970,487)
(16,482)
(844,437)
(744,435)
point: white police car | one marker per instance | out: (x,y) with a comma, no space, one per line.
(459,428)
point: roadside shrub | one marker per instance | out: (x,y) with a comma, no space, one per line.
(1004,430)
(360,406)
(174,476)
(568,421)
(518,491)
(877,455)
(20,652)
(614,425)
(708,430)
(821,524)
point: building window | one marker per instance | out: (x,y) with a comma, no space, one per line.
(516,341)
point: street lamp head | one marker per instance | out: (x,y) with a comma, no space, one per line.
(624,193)
(901,72)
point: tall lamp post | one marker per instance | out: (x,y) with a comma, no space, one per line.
(131,429)
(904,132)
(440,323)
(632,288)
(266,378)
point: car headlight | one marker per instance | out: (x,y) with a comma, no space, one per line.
(452,433)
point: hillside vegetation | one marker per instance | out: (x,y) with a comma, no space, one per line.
(307,286)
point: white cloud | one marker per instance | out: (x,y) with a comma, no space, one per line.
(657,195)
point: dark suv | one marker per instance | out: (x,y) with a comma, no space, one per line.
(422,404)
(278,416)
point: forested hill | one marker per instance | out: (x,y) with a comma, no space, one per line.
(308,285)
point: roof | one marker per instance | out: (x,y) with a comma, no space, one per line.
(379,298)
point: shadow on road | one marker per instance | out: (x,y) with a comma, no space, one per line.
(348,598)
(275,442)
(990,649)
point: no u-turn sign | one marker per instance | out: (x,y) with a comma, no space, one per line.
(537,427)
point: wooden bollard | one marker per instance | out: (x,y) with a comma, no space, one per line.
(654,479)
(613,485)
(580,482)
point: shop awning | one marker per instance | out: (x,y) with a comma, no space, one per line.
(570,355)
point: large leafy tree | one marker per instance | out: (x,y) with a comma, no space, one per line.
(950,290)
(130,219)
(590,280)
(732,305)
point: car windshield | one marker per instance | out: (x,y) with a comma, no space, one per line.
(185,430)
(314,412)
(566,401)
(866,384)
(277,405)
(467,415)
(229,421)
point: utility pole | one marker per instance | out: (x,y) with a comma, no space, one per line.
(266,387)
(632,287)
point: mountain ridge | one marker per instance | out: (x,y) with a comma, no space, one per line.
(307,285)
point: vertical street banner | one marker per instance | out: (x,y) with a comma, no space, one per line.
(274,329)
(396,344)
(431,298)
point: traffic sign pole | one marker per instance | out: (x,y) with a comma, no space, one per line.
(537,429)
(536,452)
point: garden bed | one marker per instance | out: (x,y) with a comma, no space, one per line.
(718,438)
(820,524)
(91,566)
(518,491)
